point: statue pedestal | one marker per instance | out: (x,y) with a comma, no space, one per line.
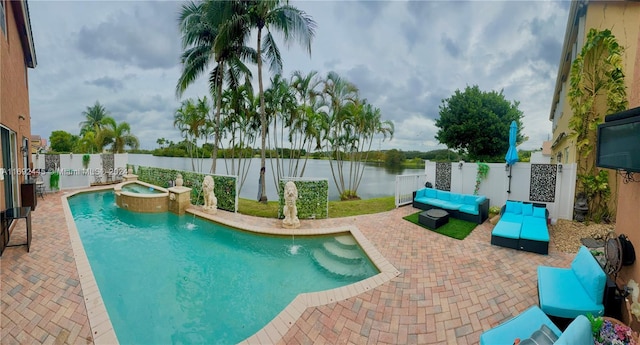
(130,177)
(292,224)
(179,199)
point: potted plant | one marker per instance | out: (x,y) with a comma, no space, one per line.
(610,331)
(54,181)
(85,160)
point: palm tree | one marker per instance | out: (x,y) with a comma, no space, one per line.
(207,38)
(293,23)
(191,121)
(369,123)
(306,88)
(240,123)
(119,134)
(94,116)
(338,93)
(280,104)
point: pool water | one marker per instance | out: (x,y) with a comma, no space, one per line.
(179,279)
(140,189)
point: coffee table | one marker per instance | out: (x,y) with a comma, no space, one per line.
(433,218)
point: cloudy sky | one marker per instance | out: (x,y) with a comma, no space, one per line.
(405,57)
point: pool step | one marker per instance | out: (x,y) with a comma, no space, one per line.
(346,241)
(342,253)
(337,267)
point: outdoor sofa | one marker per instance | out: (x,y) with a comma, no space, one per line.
(532,326)
(472,208)
(522,226)
(577,290)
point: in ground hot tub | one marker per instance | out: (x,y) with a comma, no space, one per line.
(140,196)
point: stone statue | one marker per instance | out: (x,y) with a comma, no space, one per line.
(210,200)
(290,210)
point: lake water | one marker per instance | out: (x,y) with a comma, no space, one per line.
(377,181)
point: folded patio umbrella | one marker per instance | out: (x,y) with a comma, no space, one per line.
(512,154)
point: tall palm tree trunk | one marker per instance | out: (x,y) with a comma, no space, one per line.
(263,121)
(216,136)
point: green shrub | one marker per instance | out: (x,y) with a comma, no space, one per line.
(313,199)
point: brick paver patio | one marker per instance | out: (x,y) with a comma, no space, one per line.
(448,291)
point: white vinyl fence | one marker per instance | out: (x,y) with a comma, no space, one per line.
(73,175)
(496,186)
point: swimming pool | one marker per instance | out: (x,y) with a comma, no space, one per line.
(179,279)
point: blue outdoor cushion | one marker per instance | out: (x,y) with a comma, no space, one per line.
(521,326)
(514,207)
(589,273)
(527,209)
(534,229)
(469,199)
(471,209)
(456,198)
(507,229)
(431,193)
(578,332)
(511,217)
(424,200)
(540,212)
(562,295)
(448,205)
(443,195)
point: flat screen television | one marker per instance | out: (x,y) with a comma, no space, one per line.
(618,143)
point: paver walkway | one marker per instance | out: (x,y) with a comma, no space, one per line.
(449,291)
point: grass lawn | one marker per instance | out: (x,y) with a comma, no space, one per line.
(337,209)
(456,228)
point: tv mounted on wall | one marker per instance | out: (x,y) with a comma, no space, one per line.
(618,144)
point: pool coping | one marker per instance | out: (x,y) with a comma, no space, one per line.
(102,329)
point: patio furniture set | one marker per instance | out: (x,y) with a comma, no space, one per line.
(565,295)
(472,208)
(522,226)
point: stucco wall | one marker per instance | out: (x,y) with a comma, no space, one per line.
(621,17)
(14,91)
(628,220)
(628,223)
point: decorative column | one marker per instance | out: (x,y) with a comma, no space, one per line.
(130,176)
(179,199)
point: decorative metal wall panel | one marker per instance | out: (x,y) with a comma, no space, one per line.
(443,176)
(107,162)
(51,162)
(543,182)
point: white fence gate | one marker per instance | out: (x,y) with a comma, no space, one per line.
(406,185)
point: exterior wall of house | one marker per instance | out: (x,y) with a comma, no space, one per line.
(628,217)
(621,17)
(14,90)
(627,223)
